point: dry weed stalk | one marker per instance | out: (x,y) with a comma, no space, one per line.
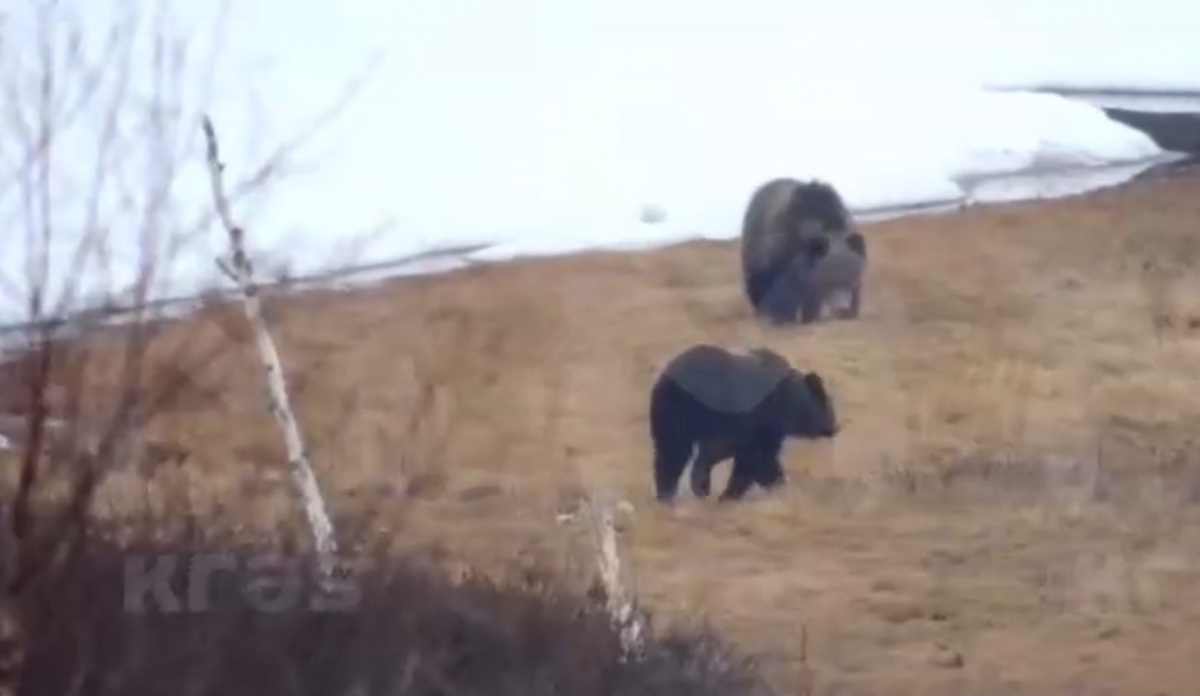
(621,603)
(241,271)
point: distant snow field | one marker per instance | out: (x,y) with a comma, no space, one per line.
(545,127)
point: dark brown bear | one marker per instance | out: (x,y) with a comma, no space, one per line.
(800,249)
(708,398)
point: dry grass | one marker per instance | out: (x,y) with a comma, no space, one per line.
(1010,508)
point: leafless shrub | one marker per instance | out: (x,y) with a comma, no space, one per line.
(91,169)
(408,631)
(64,623)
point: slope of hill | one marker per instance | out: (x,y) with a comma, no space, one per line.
(1011,507)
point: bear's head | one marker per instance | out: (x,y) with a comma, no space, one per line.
(817,209)
(809,410)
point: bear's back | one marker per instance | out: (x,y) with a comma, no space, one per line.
(716,386)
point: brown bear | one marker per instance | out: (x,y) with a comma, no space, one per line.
(801,249)
(744,405)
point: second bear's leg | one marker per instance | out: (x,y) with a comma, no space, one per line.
(851,312)
(780,308)
(781,298)
(810,306)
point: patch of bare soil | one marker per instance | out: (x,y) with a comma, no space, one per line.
(1011,507)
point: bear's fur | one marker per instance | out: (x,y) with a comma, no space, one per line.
(835,272)
(751,402)
(800,249)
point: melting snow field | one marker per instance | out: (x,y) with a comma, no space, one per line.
(540,127)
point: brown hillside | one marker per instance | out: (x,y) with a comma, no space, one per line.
(1011,507)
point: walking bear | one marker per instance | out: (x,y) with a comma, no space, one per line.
(800,250)
(717,403)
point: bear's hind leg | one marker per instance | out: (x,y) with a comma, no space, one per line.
(712,452)
(670,459)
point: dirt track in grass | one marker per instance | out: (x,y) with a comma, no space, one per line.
(1011,507)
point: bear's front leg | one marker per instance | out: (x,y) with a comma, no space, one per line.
(811,305)
(781,297)
(772,476)
(756,460)
(739,484)
(781,309)
(748,465)
(855,305)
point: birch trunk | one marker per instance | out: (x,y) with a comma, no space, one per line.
(241,271)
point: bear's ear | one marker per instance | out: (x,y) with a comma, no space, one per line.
(856,243)
(816,385)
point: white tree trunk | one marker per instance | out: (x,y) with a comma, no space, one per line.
(241,271)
